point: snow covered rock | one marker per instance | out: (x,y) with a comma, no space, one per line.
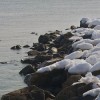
(96,67)
(84,46)
(80,68)
(97,27)
(92,59)
(94,22)
(74,55)
(96,41)
(93,92)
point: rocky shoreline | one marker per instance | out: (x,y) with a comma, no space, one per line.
(62,65)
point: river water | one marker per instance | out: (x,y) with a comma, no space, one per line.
(18,18)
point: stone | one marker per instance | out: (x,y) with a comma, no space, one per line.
(83,22)
(44,39)
(27,70)
(51,81)
(17,47)
(33,53)
(71,80)
(39,46)
(73,27)
(28,93)
(26,46)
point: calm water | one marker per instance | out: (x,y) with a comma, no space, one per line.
(18,18)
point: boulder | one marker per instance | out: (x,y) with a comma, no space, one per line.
(28,93)
(39,46)
(33,53)
(27,70)
(71,80)
(51,81)
(73,92)
(17,47)
(26,46)
(44,39)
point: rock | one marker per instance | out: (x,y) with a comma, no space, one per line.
(26,46)
(51,81)
(28,93)
(73,92)
(42,58)
(33,53)
(83,22)
(27,70)
(44,39)
(73,27)
(71,80)
(28,61)
(95,73)
(17,47)
(49,62)
(39,46)
(3,62)
(34,33)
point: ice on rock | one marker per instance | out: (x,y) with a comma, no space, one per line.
(95,67)
(84,46)
(93,92)
(74,55)
(80,68)
(97,27)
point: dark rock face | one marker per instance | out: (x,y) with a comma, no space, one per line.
(44,39)
(71,80)
(17,47)
(28,93)
(51,81)
(33,53)
(73,92)
(39,46)
(26,46)
(27,70)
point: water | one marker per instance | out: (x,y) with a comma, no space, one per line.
(18,18)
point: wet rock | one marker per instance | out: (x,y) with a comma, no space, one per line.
(17,47)
(44,39)
(33,53)
(51,81)
(28,93)
(28,61)
(73,27)
(26,46)
(34,33)
(27,70)
(42,58)
(3,62)
(39,46)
